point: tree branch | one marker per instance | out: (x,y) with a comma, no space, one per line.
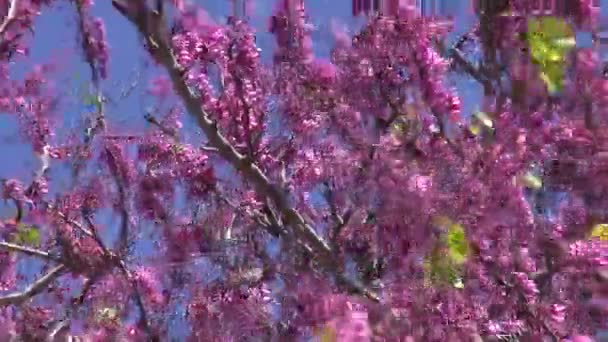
(124,214)
(28,251)
(34,289)
(470,69)
(10,17)
(72,222)
(143,316)
(166,130)
(62,326)
(152,27)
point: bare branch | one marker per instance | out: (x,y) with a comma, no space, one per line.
(28,251)
(124,214)
(152,27)
(10,17)
(209,149)
(34,289)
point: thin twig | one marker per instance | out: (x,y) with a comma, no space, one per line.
(28,251)
(34,289)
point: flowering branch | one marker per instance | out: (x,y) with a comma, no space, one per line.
(73,223)
(143,316)
(34,289)
(150,24)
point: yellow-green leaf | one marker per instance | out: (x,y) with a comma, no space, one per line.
(550,40)
(475,129)
(484,118)
(27,235)
(458,246)
(549,27)
(532,181)
(439,270)
(600,231)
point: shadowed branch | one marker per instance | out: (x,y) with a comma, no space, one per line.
(34,289)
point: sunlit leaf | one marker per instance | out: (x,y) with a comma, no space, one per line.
(458,246)
(532,181)
(550,40)
(475,129)
(484,118)
(600,231)
(439,269)
(27,235)
(550,27)
(553,76)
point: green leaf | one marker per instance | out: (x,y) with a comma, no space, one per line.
(439,270)
(549,27)
(443,265)
(475,129)
(550,40)
(27,235)
(458,246)
(553,75)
